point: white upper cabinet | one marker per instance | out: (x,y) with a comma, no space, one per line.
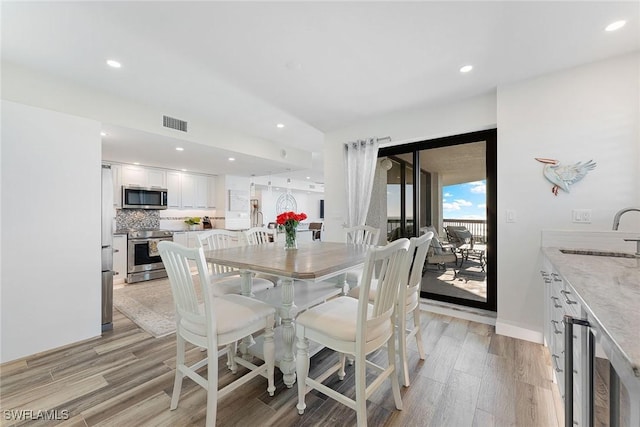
(211,192)
(173,190)
(184,190)
(201,191)
(143,177)
(188,188)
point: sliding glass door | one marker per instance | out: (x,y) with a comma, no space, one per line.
(447,186)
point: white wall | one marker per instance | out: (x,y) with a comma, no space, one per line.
(51,282)
(466,116)
(589,112)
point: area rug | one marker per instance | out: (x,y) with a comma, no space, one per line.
(149,305)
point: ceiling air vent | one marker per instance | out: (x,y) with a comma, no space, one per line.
(173,123)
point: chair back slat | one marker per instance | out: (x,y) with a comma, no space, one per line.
(391,260)
(257,235)
(177,259)
(363,235)
(417,255)
(220,239)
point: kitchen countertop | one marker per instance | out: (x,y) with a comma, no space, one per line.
(608,288)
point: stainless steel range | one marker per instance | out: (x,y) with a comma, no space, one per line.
(143,259)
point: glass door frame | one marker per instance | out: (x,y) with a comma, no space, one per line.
(491,166)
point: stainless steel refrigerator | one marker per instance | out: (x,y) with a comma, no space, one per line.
(107,248)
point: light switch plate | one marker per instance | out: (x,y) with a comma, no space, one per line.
(510,215)
(581,216)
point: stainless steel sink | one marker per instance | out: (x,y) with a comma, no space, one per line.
(596,253)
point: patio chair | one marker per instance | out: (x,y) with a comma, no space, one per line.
(439,253)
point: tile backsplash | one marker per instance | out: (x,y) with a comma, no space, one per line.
(137,218)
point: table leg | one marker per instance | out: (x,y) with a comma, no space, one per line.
(247,341)
(287,312)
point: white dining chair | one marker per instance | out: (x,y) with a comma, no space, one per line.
(408,301)
(359,235)
(357,328)
(261,236)
(227,280)
(363,235)
(219,321)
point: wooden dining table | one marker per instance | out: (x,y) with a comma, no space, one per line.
(311,263)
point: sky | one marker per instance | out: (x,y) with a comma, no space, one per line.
(461,201)
(465,201)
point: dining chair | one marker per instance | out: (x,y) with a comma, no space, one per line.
(359,235)
(227,280)
(363,235)
(356,327)
(258,235)
(408,301)
(219,321)
(261,236)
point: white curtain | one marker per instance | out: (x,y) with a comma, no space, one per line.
(360,164)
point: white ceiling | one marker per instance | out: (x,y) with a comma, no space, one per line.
(313,66)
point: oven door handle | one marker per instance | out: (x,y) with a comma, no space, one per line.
(146,239)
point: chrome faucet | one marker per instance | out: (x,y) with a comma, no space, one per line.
(616,218)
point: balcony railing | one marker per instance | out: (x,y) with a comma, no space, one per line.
(477,227)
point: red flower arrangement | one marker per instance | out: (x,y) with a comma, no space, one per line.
(289,221)
(290,218)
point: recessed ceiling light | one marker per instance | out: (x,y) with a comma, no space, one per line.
(279,125)
(103,134)
(113,63)
(466,68)
(232,159)
(184,170)
(136,163)
(308,177)
(615,25)
(179,149)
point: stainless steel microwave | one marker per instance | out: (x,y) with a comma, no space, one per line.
(144,198)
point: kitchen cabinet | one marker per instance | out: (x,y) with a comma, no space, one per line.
(194,191)
(190,191)
(143,177)
(560,300)
(211,192)
(173,190)
(119,258)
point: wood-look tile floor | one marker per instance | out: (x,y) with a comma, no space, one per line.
(471,377)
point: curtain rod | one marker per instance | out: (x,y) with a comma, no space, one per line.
(384,138)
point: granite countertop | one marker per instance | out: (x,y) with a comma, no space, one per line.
(609,290)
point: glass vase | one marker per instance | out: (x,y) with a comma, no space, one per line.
(290,241)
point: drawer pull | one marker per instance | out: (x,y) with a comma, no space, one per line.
(566,297)
(544,273)
(555,362)
(556,277)
(555,330)
(555,302)
(547,280)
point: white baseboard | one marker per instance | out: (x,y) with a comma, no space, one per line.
(506,329)
(461,312)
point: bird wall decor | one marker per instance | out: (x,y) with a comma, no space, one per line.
(562,176)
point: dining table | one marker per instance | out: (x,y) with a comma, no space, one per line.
(304,270)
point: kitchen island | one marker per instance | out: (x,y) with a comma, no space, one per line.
(608,290)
